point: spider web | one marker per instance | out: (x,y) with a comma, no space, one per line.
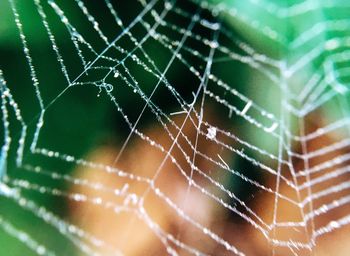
(282,133)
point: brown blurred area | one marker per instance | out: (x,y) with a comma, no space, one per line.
(127,230)
(133,234)
(331,243)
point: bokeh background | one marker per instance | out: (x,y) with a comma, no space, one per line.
(84,122)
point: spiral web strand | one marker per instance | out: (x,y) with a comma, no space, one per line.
(287,127)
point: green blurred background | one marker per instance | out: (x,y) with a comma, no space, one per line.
(84,118)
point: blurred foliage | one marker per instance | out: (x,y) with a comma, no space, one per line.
(81,121)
